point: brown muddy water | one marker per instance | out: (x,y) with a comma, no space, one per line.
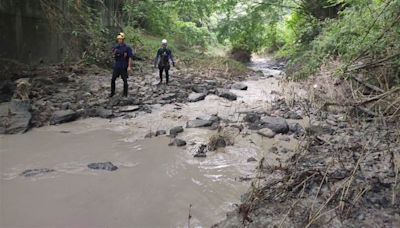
(155,183)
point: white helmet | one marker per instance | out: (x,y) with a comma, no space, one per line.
(164,41)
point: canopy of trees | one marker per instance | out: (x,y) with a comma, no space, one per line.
(307,32)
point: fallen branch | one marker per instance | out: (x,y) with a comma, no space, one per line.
(373,64)
(381,96)
(370,86)
(366,111)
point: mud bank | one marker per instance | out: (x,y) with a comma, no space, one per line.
(344,173)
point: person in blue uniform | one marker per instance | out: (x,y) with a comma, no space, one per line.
(163,59)
(123,56)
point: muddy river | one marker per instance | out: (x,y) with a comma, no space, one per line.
(155,184)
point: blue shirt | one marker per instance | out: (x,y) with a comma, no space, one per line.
(122,53)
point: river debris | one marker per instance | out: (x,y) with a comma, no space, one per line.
(36,172)
(201,151)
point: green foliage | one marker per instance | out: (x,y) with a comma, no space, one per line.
(361,31)
(188,34)
(185,20)
(81,27)
(149,15)
(309,32)
(248,26)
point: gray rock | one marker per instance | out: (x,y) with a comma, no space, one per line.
(99,112)
(7,88)
(161,132)
(292,115)
(65,105)
(276,124)
(331,122)
(296,128)
(284,138)
(217,142)
(252,117)
(168,96)
(227,95)
(104,113)
(130,108)
(15,117)
(62,79)
(178,143)
(211,82)
(199,89)
(150,135)
(198,123)
(319,130)
(63,116)
(103,166)
(266,132)
(176,130)
(36,172)
(200,155)
(194,97)
(239,86)
(251,159)
(273,149)
(213,118)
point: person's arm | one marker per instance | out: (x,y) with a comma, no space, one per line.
(172,58)
(157,57)
(130,56)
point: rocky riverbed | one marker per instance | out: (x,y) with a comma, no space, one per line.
(202,135)
(59,94)
(201,142)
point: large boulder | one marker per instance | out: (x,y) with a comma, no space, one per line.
(227,95)
(15,117)
(63,116)
(194,97)
(239,86)
(276,124)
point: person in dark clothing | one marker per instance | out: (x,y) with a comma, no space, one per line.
(163,59)
(123,55)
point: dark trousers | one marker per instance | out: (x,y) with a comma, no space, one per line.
(166,69)
(124,75)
